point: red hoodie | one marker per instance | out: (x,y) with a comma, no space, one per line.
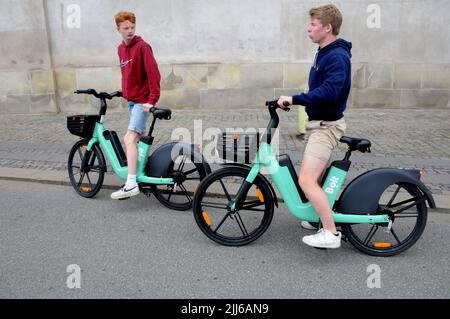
(140,74)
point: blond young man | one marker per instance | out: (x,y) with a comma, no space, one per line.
(325,103)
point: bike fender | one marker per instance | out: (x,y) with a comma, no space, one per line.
(159,162)
(361,196)
(91,144)
(266,181)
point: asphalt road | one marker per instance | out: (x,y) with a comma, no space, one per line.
(139,249)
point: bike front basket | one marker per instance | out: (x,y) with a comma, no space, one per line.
(82,125)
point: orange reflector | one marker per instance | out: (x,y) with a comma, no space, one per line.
(382,245)
(235,137)
(260,195)
(86,189)
(206,218)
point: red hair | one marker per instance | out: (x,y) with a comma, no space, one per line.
(125,16)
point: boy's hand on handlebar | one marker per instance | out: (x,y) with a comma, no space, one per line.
(147,107)
(283,99)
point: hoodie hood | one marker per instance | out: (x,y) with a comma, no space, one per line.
(136,39)
(338,43)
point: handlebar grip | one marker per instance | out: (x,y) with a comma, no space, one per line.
(274,104)
(286,104)
(271,103)
(88,91)
(116,94)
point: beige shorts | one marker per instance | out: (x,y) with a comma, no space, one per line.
(323,138)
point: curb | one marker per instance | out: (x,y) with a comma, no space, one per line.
(49,177)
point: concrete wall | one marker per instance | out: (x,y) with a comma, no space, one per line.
(218,54)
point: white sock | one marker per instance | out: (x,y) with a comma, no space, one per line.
(131,181)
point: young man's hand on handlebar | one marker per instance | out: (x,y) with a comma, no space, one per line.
(147,107)
(283,99)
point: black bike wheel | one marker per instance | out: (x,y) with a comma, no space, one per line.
(187,175)
(212,208)
(87,181)
(406,206)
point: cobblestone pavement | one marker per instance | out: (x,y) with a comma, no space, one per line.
(400,138)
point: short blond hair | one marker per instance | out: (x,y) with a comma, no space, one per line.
(125,16)
(328,14)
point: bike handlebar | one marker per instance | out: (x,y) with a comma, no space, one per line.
(274,105)
(101,95)
(274,119)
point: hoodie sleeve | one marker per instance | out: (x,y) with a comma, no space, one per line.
(334,74)
(153,75)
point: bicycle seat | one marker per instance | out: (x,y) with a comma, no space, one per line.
(162,114)
(356,144)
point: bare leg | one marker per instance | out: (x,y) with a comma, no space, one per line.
(319,180)
(131,139)
(311,170)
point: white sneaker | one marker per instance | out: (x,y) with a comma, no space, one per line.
(323,239)
(125,193)
(307,225)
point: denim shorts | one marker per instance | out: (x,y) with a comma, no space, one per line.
(138,117)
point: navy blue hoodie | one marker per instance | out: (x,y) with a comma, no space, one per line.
(329,83)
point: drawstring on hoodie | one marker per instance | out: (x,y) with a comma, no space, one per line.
(315,59)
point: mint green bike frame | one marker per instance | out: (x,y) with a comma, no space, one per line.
(122,172)
(284,182)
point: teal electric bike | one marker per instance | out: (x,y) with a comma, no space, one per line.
(171,173)
(382,212)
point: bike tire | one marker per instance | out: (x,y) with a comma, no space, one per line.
(182,198)
(206,223)
(96,164)
(387,249)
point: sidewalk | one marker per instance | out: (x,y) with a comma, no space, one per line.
(36,147)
